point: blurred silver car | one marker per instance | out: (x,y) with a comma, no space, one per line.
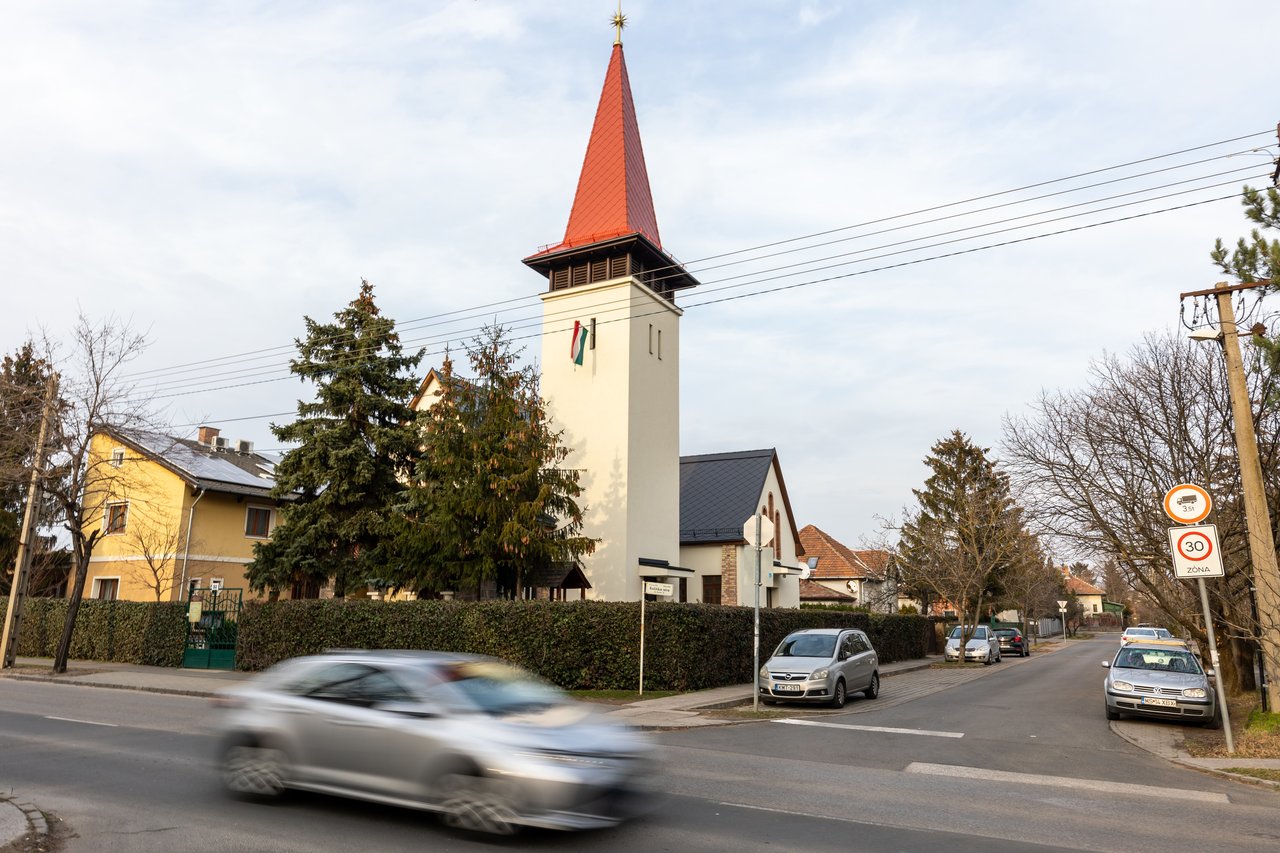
(1159,681)
(485,743)
(983,645)
(821,665)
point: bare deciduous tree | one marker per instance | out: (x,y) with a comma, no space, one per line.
(96,396)
(1093,466)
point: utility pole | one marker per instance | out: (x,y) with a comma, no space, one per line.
(1262,546)
(30,520)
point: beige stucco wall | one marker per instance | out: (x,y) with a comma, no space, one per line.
(620,412)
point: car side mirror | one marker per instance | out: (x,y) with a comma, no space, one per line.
(1209,672)
(1106,664)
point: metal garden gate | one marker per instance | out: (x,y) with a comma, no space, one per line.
(212,614)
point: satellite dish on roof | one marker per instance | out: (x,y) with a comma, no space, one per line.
(852,586)
(805,571)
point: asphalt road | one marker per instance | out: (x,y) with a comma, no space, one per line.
(132,772)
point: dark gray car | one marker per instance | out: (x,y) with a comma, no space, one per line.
(821,665)
(1164,682)
(485,743)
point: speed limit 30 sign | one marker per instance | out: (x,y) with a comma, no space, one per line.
(1195,551)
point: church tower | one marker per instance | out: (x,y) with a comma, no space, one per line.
(611,351)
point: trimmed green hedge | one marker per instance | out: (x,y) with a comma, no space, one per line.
(121,631)
(579,645)
(582,645)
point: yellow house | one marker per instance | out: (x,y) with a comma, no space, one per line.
(175,513)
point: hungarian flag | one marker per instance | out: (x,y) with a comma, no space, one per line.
(579,346)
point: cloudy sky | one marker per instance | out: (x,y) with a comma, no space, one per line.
(213,172)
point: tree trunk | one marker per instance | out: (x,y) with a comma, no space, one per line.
(73,609)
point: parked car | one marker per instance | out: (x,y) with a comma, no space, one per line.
(1012,641)
(1159,681)
(486,744)
(821,665)
(982,646)
(1151,635)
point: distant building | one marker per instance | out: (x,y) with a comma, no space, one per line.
(846,576)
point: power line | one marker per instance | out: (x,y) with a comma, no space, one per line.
(438,319)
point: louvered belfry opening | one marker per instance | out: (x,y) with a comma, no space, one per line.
(631,255)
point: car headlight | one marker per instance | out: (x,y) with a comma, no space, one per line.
(820,674)
(1195,693)
(1122,685)
(764,673)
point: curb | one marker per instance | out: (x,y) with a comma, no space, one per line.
(1183,759)
(36,823)
(171,691)
(734,703)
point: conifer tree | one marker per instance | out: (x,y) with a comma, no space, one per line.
(966,531)
(489,501)
(356,443)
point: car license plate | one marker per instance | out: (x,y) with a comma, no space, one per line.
(787,688)
(1164,703)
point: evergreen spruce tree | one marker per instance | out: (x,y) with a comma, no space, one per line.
(22,385)
(356,444)
(966,531)
(489,501)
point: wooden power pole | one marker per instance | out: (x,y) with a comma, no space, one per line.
(30,520)
(1262,546)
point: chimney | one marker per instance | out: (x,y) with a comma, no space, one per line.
(207,434)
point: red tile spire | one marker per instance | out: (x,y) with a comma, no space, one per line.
(613,196)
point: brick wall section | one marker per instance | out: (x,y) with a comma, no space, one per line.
(728,574)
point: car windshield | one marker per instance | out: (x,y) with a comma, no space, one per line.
(493,688)
(1140,632)
(974,633)
(1163,634)
(807,646)
(1158,660)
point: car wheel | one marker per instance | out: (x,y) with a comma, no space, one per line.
(838,695)
(477,804)
(989,660)
(251,770)
(873,689)
(1026,652)
(1214,722)
(1112,715)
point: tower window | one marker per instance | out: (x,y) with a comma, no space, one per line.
(650,339)
(659,345)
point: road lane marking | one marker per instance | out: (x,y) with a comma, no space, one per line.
(1095,785)
(86,722)
(821,724)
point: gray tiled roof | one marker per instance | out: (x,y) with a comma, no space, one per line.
(230,471)
(719,492)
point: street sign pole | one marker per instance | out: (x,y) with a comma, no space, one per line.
(1221,699)
(755,642)
(1062,608)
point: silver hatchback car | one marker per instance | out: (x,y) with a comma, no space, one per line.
(821,665)
(1164,682)
(485,743)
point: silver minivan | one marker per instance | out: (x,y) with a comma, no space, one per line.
(821,665)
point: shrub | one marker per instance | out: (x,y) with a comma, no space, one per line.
(120,631)
(582,645)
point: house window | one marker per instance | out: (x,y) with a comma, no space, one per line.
(215,584)
(710,589)
(106,589)
(117,457)
(257,522)
(117,516)
(683,594)
(1095,608)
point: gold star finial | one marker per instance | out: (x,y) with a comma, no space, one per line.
(619,21)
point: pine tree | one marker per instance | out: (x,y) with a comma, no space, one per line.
(966,531)
(489,501)
(356,443)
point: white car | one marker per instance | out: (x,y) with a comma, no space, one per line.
(983,645)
